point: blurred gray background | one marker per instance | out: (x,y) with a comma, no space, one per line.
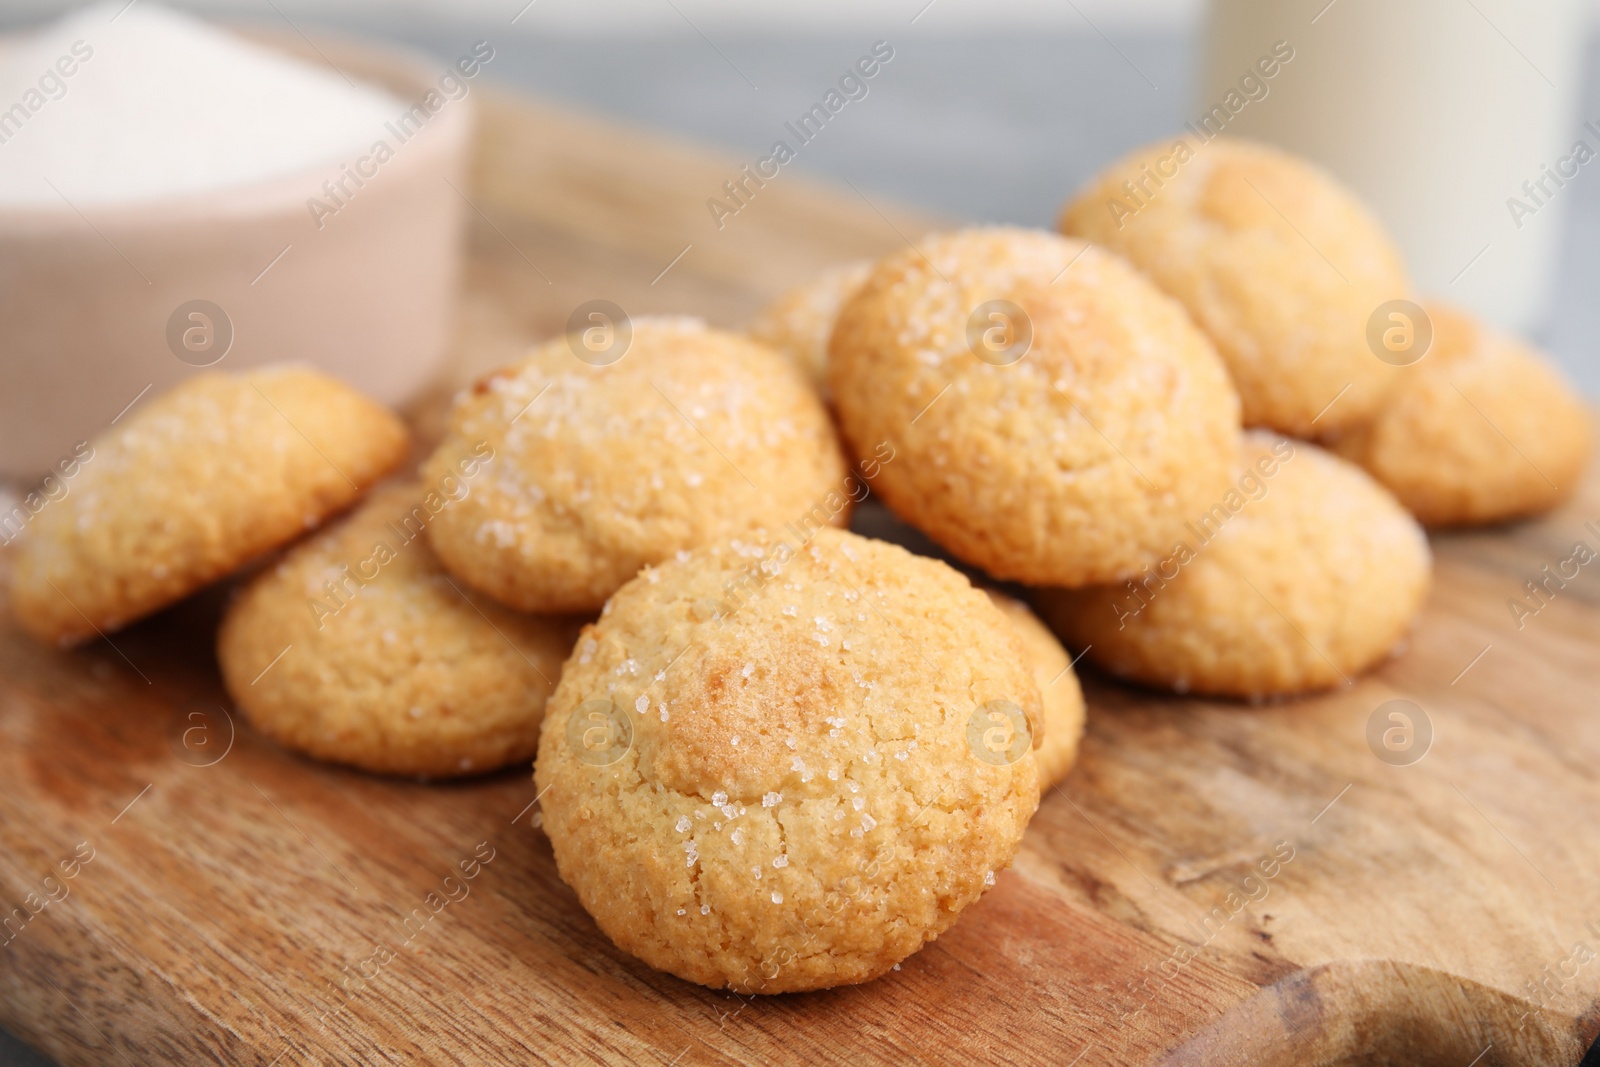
(989,112)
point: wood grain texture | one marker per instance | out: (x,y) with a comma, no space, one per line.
(241,911)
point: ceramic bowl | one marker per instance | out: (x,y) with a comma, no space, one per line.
(109,306)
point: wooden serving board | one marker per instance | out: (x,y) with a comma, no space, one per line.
(1421,914)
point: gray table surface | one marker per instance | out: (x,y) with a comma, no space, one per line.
(991,127)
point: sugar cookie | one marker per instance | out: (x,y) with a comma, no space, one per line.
(1277,262)
(192,485)
(1305,575)
(1054,417)
(1481,429)
(799,322)
(1061,695)
(357,648)
(775,767)
(691,436)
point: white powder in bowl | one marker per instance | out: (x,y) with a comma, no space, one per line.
(158,105)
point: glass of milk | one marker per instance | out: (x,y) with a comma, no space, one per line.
(1456,121)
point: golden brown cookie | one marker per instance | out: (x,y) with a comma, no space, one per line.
(357,648)
(776,767)
(693,435)
(1481,429)
(1278,263)
(1304,575)
(189,487)
(799,322)
(1052,417)
(1061,696)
